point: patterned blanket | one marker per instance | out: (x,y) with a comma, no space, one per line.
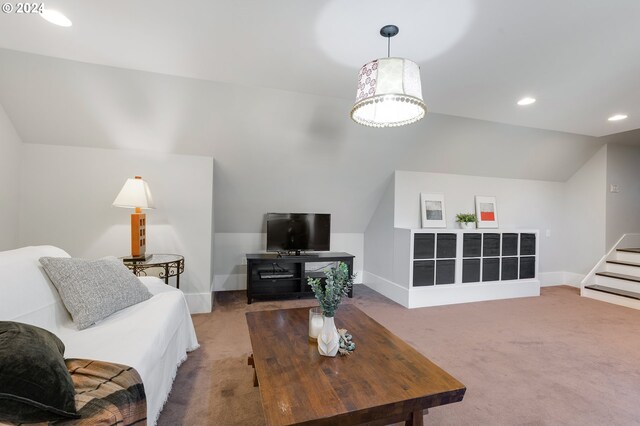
(106,395)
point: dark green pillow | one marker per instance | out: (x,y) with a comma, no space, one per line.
(35,385)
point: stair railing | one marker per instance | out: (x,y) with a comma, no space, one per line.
(626,241)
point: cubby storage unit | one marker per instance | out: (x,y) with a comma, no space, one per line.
(457,266)
(434,259)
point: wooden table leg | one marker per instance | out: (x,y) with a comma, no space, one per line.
(416,418)
(251,362)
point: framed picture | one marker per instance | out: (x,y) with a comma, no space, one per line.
(486,212)
(432,208)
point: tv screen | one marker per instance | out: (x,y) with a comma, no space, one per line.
(298,232)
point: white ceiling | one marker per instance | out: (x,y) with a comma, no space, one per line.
(579,58)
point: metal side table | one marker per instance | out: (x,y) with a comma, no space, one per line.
(170,265)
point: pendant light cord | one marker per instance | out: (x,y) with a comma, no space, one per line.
(389,31)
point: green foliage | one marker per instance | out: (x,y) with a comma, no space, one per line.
(346,342)
(337,284)
(466,217)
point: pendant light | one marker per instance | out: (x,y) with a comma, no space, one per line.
(389,91)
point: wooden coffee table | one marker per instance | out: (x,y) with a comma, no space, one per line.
(383,381)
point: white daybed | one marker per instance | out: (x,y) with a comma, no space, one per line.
(153,336)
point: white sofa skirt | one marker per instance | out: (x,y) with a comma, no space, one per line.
(153,337)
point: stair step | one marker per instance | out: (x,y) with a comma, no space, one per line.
(629,250)
(619,276)
(616,291)
(622,262)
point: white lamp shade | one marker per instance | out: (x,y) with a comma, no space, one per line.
(389,93)
(135,194)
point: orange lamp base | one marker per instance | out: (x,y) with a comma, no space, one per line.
(138,234)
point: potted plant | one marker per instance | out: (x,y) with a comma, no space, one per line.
(329,293)
(466,220)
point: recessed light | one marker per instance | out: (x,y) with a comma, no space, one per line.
(56,18)
(617,117)
(526,101)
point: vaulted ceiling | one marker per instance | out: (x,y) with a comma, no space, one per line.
(274,150)
(579,58)
(266,87)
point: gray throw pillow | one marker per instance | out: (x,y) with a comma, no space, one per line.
(92,290)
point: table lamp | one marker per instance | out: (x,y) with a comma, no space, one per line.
(136,194)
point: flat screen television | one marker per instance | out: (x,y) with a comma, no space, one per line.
(296,232)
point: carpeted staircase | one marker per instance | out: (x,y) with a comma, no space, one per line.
(616,279)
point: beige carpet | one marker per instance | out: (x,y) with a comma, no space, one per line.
(548,360)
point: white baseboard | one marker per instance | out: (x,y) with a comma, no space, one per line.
(387,288)
(465,293)
(199,303)
(445,295)
(229,282)
(573,279)
(548,279)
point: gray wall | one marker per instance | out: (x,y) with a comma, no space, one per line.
(378,237)
(67,195)
(572,216)
(521,203)
(10,155)
(623,208)
(585,210)
(274,150)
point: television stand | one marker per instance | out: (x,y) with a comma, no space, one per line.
(273,276)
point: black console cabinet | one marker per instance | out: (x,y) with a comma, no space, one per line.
(271,276)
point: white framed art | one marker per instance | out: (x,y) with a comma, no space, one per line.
(432,210)
(486,211)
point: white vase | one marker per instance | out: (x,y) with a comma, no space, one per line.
(467,225)
(328,339)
